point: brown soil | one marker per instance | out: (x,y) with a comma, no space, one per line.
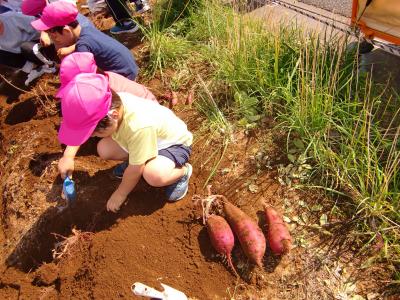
(149,240)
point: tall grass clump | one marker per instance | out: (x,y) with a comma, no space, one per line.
(216,128)
(165,44)
(356,150)
(312,85)
(338,112)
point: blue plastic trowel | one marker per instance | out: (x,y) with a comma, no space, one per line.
(69,190)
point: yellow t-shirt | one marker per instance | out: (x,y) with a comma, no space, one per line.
(147,127)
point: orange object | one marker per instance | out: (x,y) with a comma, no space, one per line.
(377,19)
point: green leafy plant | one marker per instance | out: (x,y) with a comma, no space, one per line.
(312,86)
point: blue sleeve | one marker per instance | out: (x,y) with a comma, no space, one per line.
(82,48)
(83,21)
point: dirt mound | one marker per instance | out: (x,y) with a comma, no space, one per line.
(47,249)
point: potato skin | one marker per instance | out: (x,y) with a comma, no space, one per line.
(250,236)
(222,238)
(279,237)
(220,234)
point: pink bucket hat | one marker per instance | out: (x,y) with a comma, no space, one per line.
(33,7)
(59,13)
(85,101)
(74,64)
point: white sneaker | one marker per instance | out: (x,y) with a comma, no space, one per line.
(28,67)
(39,71)
(49,69)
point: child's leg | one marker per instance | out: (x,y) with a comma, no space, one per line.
(109,149)
(41,64)
(122,17)
(169,167)
(161,171)
(15,60)
(119,11)
(31,51)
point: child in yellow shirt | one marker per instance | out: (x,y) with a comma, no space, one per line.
(154,141)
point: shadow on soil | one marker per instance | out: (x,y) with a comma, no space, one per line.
(88,213)
(40,162)
(210,255)
(89,147)
(21,112)
(30,109)
(15,87)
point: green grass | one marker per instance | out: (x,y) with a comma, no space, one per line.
(311,85)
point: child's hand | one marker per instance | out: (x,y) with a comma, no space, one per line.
(115,201)
(45,40)
(66,166)
(62,52)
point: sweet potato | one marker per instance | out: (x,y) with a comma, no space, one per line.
(250,236)
(279,237)
(172,98)
(190,98)
(221,237)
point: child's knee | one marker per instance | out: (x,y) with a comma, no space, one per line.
(102,150)
(153,178)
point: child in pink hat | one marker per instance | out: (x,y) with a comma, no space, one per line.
(10,5)
(59,20)
(83,62)
(155,143)
(35,8)
(17,50)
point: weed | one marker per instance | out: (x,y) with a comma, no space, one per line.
(313,87)
(216,127)
(67,244)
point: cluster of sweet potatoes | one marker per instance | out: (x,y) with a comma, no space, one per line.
(222,232)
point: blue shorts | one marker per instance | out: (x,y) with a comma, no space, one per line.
(179,154)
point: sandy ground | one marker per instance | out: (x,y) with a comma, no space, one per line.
(342,7)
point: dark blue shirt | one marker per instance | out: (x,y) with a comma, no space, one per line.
(109,54)
(83,21)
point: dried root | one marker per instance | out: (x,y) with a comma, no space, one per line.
(227,259)
(208,204)
(64,247)
(212,204)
